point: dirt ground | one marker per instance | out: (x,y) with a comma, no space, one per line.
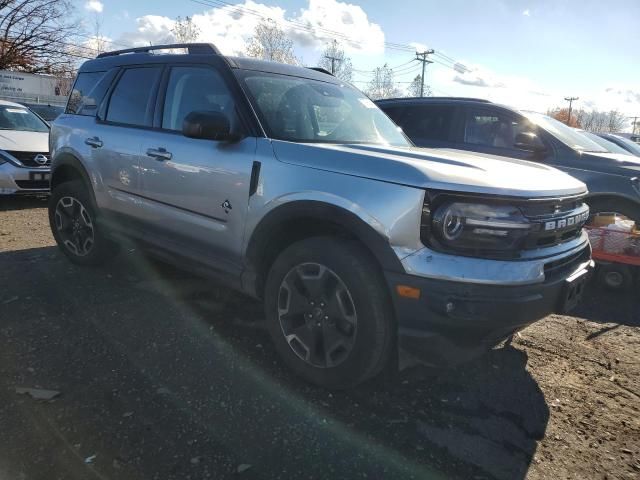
(162,375)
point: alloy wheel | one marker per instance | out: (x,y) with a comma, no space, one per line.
(74,225)
(317,315)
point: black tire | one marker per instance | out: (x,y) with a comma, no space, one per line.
(370,343)
(622,207)
(615,277)
(74,194)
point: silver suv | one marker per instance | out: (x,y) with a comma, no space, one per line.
(295,188)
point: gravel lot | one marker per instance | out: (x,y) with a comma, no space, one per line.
(162,375)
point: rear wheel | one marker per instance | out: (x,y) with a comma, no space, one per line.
(616,277)
(72,217)
(329,313)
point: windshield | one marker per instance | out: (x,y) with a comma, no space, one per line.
(310,111)
(567,135)
(604,143)
(629,145)
(20,118)
(47,112)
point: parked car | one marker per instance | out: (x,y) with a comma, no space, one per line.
(482,126)
(623,142)
(609,146)
(24,151)
(296,189)
(47,112)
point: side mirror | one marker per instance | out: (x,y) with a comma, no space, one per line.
(208,125)
(529,142)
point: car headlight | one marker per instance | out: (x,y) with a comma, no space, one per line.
(474,228)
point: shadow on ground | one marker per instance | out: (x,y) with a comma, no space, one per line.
(16,202)
(165,375)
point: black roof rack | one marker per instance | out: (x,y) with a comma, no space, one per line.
(321,70)
(192,49)
(462,99)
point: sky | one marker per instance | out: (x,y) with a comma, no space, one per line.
(529,54)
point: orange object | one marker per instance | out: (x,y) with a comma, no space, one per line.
(408,292)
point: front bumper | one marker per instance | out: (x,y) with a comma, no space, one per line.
(23,180)
(453,321)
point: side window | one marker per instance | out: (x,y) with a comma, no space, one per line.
(494,129)
(194,89)
(132,97)
(427,122)
(81,95)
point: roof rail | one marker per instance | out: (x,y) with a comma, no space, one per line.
(192,48)
(321,70)
(408,99)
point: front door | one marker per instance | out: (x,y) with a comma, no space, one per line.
(197,190)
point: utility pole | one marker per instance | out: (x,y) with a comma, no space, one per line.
(422,57)
(333,59)
(635,121)
(570,100)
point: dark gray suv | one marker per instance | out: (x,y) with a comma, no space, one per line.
(482,126)
(296,189)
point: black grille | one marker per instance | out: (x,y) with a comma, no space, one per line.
(28,158)
(566,264)
(33,184)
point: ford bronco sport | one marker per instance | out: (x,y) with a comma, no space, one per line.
(295,188)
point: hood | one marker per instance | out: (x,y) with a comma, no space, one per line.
(441,169)
(613,163)
(20,141)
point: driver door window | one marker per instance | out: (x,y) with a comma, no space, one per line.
(495,132)
(194,89)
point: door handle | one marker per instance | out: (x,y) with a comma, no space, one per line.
(93,142)
(159,154)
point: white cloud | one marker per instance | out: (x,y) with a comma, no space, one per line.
(94,6)
(229,27)
(526,13)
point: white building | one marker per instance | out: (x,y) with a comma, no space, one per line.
(33,88)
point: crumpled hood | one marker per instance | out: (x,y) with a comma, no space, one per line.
(442,169)
(24,141)
(613,163)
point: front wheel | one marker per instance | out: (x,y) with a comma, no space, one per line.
(329,312)
(72,217)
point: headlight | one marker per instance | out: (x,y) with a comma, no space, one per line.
(473,228)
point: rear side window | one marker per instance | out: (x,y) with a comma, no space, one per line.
(82,96)
(494,129)
(132,97)
(427,122)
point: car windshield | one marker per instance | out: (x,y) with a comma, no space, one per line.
(310,111)
(20,118)
(629,145)
(565,134)
(604,143)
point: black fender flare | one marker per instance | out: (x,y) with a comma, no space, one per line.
(310,213)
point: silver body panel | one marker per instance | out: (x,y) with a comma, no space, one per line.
(184,197)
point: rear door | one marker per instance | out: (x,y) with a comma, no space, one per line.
(196,191)
(116,140)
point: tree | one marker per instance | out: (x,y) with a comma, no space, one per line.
(414,88)
(185,31)
(37,36)
(562,115)
(591,120)
(270,42)
(382,85)
(334,60)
